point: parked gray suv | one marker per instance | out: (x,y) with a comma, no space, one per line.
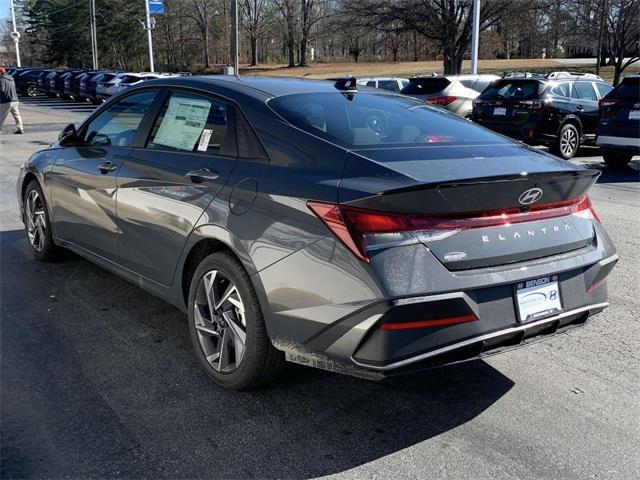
(288,226)
(452,92)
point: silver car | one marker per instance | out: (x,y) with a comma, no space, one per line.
(452,92)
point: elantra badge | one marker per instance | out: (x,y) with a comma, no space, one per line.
(530,196)
(455,256)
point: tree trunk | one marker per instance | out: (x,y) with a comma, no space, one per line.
(206,46)
(291,50)
(254,50)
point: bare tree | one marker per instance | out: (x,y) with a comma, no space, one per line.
(623,19)
(256,15)
(201,11)
(289,11)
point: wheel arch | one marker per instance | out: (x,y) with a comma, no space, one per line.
(573,120)
(203,241)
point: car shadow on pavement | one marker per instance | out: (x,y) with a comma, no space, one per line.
(628,174)
(98,380)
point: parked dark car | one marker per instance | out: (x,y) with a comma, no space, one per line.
(43,81)
(87,85)
(72,84)
(619,124)
(560,109)
(27,81)
(287,229)
(59,82)
(49,82)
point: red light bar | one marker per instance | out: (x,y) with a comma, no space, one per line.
(351,224)
(442,100)
(437,322)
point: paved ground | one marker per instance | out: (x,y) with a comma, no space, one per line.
(98,380)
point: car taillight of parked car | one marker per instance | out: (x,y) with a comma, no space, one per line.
(606,102)
(535,104)
(441,100)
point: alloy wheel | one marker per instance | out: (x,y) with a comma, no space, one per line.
(568,142)
(220,323)
(36,222)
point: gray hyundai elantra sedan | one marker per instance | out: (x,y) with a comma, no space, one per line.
(352,230)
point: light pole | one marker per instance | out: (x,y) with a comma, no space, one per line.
(148,27)
(15,35)
(475,37)
(94,35)
(234,37)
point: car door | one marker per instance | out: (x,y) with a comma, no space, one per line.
(586,107)
(168,181)
(83,186)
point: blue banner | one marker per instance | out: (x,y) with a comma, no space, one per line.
(156,7)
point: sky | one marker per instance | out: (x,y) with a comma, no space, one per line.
(5,9)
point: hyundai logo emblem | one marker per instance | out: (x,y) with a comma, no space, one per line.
(530,196)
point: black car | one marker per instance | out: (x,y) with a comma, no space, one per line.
(27,81)
(49,82)
(288,227)
(87,85)
(72,84)
(619,125)
(559,109)
(62,82)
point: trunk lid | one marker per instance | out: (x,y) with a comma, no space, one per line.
(531,196)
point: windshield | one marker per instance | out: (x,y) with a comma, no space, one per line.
(512,89)
(377,119)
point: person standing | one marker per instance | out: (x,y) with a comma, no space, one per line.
(9,100)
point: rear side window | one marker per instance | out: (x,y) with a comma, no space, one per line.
(116,126)
(193,123)
(107,77)
(562,90)
(512,89)
(584,91)
(371,83)
(129,79)
(377,119)
(418,86)
(628,90)
(603,89)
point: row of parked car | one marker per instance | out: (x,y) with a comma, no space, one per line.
(77,84)
(563,110)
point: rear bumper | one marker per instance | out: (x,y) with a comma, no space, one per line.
(614,142)
(356,341)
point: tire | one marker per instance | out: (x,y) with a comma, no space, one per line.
(37,225)
(568,141)
(237,316)
(616,158)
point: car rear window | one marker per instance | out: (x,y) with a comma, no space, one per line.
(512,89)
(423,86)
(129,79)
(371,119)
(629,89)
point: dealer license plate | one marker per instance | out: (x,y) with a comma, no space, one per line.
(500,111)
(538,298)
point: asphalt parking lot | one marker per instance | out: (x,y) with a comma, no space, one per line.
(98,380)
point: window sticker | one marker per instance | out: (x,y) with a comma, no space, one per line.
(204,140)
(183,123)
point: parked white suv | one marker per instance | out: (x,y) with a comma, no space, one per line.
(393,84)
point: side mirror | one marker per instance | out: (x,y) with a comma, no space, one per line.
(68,136)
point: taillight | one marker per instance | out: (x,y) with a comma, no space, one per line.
(535,104)
(363,230)
(606,102)
(441,101)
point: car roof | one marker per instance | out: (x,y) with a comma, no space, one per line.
(255,86)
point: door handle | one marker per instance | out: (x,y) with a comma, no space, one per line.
(202,175)
(580,108)
(107,167)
